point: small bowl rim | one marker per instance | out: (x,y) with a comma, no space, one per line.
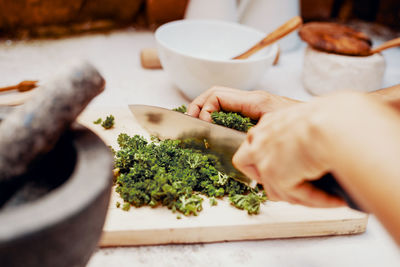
(273,48)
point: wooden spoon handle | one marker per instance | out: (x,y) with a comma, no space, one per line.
(274,36)
(386,45)
(8,88)
(22,86)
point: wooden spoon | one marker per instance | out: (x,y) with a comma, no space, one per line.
(389,44)
(21,87)
(274,36)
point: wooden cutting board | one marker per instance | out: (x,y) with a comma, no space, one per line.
(148,226)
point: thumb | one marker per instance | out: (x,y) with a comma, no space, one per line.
(244,162)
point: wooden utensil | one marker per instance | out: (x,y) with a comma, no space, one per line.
(21,87)
(274,36)
(149,58)
(389,44)
(340,39)
(335,38)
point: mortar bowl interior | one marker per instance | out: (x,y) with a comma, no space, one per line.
(54,214)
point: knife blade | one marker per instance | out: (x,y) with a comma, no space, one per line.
(168,124)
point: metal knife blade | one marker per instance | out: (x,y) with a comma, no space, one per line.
(169,124)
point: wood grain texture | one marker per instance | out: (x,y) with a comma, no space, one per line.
(335,38)
(386,45)
(149,226)
(286,28)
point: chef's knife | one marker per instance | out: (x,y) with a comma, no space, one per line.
(167,124)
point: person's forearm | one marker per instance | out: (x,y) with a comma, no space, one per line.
(367,164)
(389,94)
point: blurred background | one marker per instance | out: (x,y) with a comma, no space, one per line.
(52,18)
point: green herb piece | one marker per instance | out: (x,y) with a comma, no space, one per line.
(126,206)
(232,120)
(117,204)
(213,201)
(181,109)
(98,121)
(250,202)
(171,173)
(108,122)
(179,216)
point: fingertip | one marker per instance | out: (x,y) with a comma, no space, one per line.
(335,202)
(193,110)
(205,115)
(252,172)
(240,161)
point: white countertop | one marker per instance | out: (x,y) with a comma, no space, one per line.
(117,57)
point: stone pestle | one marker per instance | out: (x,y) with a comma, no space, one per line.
(33,129)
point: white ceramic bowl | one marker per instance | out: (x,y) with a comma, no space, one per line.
(197,54)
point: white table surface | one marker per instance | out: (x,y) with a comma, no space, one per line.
(117,57)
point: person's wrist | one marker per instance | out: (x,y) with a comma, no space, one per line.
(331,125)
(345,112)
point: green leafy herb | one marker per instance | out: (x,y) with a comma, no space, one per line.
(126,206)
(98,121)
(232,120)
(213,201)
(172,173)
(228,119)
(117,204)
(250,202)
(181,109)
(108,122)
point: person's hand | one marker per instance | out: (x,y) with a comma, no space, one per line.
(290,147)
(252,104)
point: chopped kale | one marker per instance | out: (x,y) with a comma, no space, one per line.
(98,121)
(108,122)
(250,202)
(213,201)
(232,120)
(126,206)
(181,109)
(228,119)
(171,174)
(175,173)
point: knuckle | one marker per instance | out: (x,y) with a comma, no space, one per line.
(260,93)
(215,88)
(250,136)
(266,170)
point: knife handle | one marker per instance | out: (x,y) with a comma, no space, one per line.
(328,184)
